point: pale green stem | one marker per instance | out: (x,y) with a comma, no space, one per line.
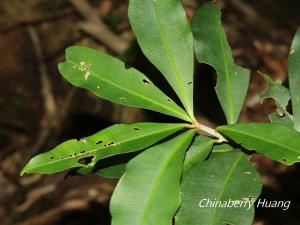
(203,128)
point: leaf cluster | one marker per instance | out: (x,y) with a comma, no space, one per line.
(167,168)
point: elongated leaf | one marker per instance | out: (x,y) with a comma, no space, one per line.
(223,178)
(198,151)
(117,139)
(211,47)
(276,141)
(294,78)
(164,35)
(108,78)
(151,180)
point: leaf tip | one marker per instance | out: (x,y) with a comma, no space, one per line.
(24,171)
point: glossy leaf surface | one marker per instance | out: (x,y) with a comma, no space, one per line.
(114,140)
(149,191)
(165,37)
(223,177)
(274,140)
(211,47)
(108,78)
(294,78)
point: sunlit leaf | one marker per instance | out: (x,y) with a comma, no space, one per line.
(108,78)
(114,140)
(164,35)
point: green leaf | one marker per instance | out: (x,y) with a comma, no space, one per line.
(164,35)
(198,151)
(151,180)
(115,171)
(108,78)
(276,141)
(117,139)
(281,96)
(211,47)
(278,93)
(222,147)
(112,171)
(223,177)
(284,120)
(294,78)
(109,171)
(111,167)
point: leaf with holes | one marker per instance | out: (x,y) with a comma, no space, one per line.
(113,171)
(223,180)
(164,35)
(294,78)
(279,94)
(111,167)
(276,141)
(151,180)
(211,47)
(108,78)
(114,140)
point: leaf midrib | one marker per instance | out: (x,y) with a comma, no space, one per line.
(157,179)
(176,112)
(229,99)
(226,180)
(257,137)
(171,58)
(125,142)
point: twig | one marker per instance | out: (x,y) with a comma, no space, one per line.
(34,20)
(54,214)
(250,15)
(95,27)
(208,130)
(46,91)
(35,195)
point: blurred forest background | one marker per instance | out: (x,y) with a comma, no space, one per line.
(38,109)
